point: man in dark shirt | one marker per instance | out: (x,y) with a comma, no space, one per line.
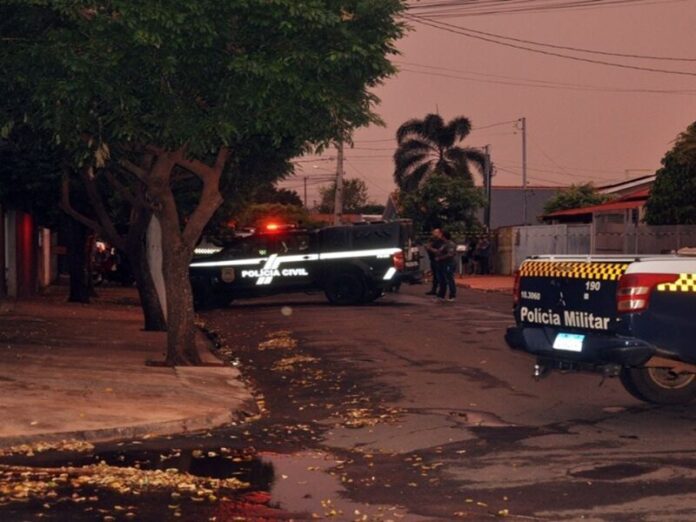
(446,262)
(433,248)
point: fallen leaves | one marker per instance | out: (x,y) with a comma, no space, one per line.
(280,340)
(18,484)
(288,364)
(77,446)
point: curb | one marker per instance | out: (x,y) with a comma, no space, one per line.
(247,409)
(173,427)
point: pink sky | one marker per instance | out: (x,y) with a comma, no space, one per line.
(573,136)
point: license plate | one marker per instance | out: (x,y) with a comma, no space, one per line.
(412,263)
(568,342)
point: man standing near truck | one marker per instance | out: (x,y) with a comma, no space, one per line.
(445,262)
(433,249)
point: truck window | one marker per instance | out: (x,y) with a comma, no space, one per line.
(291,244)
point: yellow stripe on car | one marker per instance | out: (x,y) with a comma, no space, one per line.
(685,283)
(573,269)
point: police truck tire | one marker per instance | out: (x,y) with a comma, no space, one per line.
(345,288)
(659,385)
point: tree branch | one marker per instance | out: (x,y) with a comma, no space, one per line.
(134,169)
(67,207)
(97,203)
(121,188)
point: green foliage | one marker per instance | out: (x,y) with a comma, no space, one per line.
(30,174)
(270,194)
(429,146)
(672,198)
(443,202)
(355,196)
(202,73)
(575,196)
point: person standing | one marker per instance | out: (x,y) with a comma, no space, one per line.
(446,262)
(483,252)
(433,249)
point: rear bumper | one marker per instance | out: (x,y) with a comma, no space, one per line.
(597,349)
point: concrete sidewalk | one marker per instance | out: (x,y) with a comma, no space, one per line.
(74,371)
(487,283)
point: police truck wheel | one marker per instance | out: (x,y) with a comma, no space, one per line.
(345,289)
(659,385)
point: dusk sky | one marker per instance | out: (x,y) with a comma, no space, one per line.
(585,121)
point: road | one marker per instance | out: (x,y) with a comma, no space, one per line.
(468,432)
(407,409)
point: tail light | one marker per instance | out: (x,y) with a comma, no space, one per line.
(516,288)
(398,261)
(633,294)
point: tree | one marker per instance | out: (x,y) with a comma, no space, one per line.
(672,198)
(575,196)
(165,91)
(270,194)
(443,202)
(429,146)
(355,196)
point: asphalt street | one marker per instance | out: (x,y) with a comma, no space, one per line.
(406,409)
(490,440)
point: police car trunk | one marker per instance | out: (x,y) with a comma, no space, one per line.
(626,316)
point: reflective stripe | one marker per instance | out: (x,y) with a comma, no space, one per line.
(573,269)
(390,273)
(202,251)
(377,252)
(229,262)
(685,283)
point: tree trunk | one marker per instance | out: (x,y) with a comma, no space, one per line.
(80,276)
(3,268)
(135,247)
(149,300)
(181,329)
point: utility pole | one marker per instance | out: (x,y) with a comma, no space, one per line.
(305,192)
(487,180)
(523,128)
(338,201)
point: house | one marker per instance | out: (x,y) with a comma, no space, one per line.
(27,259)
(627,204)
(628,186)
(507,205)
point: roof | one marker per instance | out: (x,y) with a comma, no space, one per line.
(635,199)
(627,184)
(605,207)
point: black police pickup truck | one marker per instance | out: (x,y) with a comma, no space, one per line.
(352,264)
(634,317)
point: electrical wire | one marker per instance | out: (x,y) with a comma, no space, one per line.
(450,28)
(574,49)
(503,7)
(532,82)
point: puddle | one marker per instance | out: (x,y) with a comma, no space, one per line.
(613,471)
(217,464)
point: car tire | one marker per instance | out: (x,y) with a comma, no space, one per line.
(659,385)
(372,294)
(345,288)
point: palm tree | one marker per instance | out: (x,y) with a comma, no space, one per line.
(428,146)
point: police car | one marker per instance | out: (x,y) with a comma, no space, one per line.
(351,264)
(627,316)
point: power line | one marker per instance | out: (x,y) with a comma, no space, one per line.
(532,82)
(551,87)
(575,49)
(454,29)
(502,7)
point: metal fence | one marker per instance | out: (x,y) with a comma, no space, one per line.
(604,237)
